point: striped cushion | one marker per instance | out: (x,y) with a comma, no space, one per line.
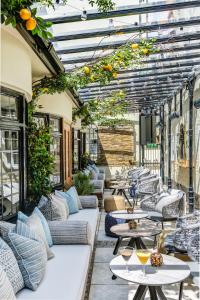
(53,208)
(22,217)
(89,201)
(70,232)
(71,202)
(30,254)
(73,193)
(9,264)
(36,226)
(5,227)
(6,290)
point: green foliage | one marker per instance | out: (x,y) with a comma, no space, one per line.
(10,13)
(99,111)
(40,161)
(85,158)
(82,183)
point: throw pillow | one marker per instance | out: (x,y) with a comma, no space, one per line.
(6,290)
(30,254)
(36,226)
(53,208)
(73,193)
(9,264)
(5,227)
(71,202)
(94,175)
(95,168)
(22,217)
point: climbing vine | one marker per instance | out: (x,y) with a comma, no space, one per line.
(102,111)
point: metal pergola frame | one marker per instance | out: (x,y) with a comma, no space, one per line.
(161,76)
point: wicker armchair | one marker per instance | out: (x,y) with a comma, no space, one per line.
(165,206)
(187,227)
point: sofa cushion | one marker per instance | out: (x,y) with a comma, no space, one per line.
(6,289)
(30,254)
(53,208)
(22,217)
(73,193)
(9,264)
(89,215)
(65,277)
(89,201)
(70,232)
(71,202)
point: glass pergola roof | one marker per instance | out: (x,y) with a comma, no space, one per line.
(175,24)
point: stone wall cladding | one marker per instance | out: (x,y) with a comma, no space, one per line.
(116,147)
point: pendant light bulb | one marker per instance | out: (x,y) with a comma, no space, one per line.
(84,15)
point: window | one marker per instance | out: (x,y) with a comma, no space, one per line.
(12,156)
(56,147)
(76,149)
(92,142)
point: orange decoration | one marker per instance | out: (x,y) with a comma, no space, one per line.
(31,24)
(25,14)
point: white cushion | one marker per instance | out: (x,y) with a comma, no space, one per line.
(65,276)
(89,215)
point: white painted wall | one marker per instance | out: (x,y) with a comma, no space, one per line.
(16,70)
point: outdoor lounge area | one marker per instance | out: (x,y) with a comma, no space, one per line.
(100,150)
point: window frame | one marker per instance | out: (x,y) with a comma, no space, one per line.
(47,117)
(20,125)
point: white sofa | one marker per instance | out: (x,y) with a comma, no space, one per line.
(66,273)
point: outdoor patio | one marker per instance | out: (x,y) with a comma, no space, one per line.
(100,150)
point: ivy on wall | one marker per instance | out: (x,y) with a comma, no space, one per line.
(40,160)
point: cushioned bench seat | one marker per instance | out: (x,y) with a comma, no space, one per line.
(66,273)
(65,277)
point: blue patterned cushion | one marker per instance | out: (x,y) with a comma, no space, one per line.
(22,217)
(73,193)
(9,264)
(94,167)
(71,202)
(30,254)
(6,290)
(109,222)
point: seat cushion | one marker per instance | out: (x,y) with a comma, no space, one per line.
(65,277)
(91,216)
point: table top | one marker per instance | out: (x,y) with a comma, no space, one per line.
(122,214)
(144,228)
(120,185)
(172,271)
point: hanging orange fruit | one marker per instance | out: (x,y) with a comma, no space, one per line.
(145,51)
(134,46)
(107,68)
(25,14)
(92,78)
(31,24)
(86,70)
(114,74)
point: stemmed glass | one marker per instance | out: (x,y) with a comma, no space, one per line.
(126,253)
(143,256)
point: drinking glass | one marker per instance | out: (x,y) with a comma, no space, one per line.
(126,253)
(143,256)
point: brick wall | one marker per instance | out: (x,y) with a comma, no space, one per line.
(116,147)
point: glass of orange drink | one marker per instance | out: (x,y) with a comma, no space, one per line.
(143,256)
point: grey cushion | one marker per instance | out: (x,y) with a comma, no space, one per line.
(6,290)
(36,226)
(30,254)
(70,232)
(89,201)
(53,208)
(9,264)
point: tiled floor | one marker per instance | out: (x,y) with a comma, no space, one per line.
(104,288)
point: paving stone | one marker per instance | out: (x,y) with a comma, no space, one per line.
(115,292)
(103,255)
(103,275)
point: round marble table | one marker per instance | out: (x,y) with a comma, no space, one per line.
(122,214)
(172,271)
(145,228)
(120,189)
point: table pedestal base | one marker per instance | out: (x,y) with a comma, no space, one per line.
(134,242)
(156,293)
